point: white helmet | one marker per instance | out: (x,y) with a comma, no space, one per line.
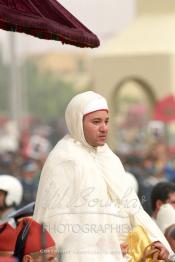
(14,189)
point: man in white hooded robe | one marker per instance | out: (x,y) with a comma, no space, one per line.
(83,195)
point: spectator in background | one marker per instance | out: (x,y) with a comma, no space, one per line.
(150,176)
(29,172)
(38,148)
(162,193)
(8,237)
(6,161)
(39,245)
(169,168)
(166,221)
(170,236)
(11,192)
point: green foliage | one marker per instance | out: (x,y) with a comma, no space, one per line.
(47,95)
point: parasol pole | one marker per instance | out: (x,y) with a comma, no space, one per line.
(15,85)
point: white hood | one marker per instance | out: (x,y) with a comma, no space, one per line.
(76,110)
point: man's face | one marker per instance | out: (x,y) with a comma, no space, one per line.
(171,199)
(95,126)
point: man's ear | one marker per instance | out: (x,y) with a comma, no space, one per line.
(27,258)
(159,203)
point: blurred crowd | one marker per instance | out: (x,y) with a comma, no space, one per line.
(25,164)
(22,154)
(25,161)
(21,164)
(155,165)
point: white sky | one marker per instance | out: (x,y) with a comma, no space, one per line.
(105,18)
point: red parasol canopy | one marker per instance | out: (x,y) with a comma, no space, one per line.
(165,109)
(45,19)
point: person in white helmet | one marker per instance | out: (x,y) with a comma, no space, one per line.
(11,192)
(83,190)
(162,193)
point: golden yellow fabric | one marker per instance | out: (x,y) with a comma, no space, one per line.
(138,240)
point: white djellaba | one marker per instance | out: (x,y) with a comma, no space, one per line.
(79,186)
